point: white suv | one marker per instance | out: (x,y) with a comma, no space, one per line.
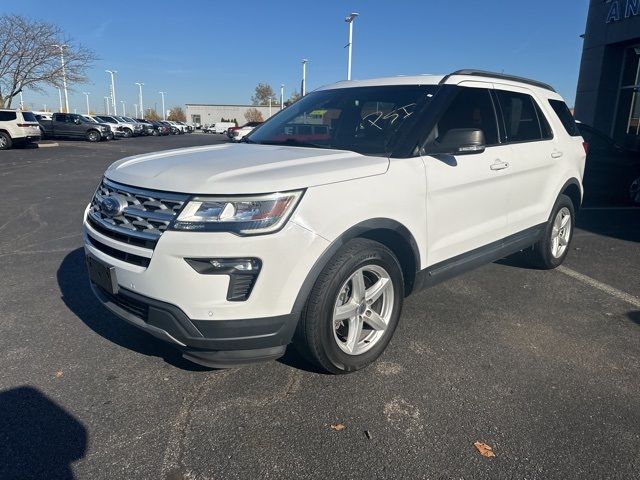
(316,228)
(18,128)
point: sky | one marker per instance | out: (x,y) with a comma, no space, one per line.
(201,51)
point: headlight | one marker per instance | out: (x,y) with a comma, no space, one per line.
(242,215)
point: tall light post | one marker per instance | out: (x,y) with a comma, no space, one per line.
(86,94)
(113,90)
(21,101)
(164,112)
(281,96)
(106,104)
(60,98)
(140,98)
(350,20)
(124,109)
(64,77)
(135,105)
(304,77)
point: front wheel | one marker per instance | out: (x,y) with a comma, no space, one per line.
(93,136)
(353,309)
(634,192)
(128,133)
(551,250)
(5,141)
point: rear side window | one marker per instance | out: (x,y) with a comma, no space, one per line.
(471,108)
(29,117)
(521,119)
(565,116)
(7,116)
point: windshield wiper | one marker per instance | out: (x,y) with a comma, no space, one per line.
(292,142)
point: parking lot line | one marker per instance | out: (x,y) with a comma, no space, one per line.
(624,296)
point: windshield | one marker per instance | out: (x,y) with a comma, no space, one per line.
(88,119)
(120,119)
(130,120)
(29,117)
(362,119)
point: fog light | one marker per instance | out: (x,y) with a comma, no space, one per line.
(242,272)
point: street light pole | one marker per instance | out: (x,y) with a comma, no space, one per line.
(86,94)
(113,90)
(281,96)
(60,98)
(64,77)
(21,101)
(350,20)
(164,112)
(124,110)
(106,103)
(140,98)
(135,105)
(304,77)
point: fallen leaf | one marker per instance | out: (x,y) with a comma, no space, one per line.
(484,449)
(336,427)
(58,373)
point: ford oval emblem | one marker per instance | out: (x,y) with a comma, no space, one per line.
(112,206)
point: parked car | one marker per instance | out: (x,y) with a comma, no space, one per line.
(612,172)
(72,125)
(173,129)
(145,127)
(414,180)
(230,130)
(91,119)
(128,129)
(116,128)
(179,126)
(221,127)
(161,128)
(18,128)
(239,133)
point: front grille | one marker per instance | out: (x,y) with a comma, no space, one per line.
(119,254)
(131,305)
(142,221)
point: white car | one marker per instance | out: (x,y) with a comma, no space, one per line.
(180,127)
(316,228)
(221,127)
(18,128)
(128,129)
(239,133)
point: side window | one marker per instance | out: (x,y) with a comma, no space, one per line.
(520,117)
(7,116)
(565,116)
(472,108)
(60,117)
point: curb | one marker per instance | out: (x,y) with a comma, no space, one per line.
(47,145)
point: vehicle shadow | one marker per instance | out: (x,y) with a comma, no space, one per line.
(77,295)
(623,224)
(293,359)
(634,317)
(38,438)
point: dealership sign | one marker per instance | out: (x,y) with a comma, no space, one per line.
(620,9)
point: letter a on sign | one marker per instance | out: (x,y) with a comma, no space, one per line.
(614,11)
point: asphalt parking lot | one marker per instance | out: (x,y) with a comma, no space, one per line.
(542,366)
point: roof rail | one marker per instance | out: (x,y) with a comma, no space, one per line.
(513,78)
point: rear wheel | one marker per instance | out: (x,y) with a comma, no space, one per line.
(551,250)
(5,141)
(353,309)
(93,136)
(155,132)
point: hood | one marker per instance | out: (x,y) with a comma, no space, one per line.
(243,169)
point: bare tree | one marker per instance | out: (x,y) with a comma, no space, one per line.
(152,115)
(262,94)
(176,114)
(29,60)
(253,115)
(295,96)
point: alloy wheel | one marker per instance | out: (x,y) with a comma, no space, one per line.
(561,232)
(363,310)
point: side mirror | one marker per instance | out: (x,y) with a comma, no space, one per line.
(77,121)
(459,141)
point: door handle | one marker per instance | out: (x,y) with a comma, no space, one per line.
(556,154)
(499,165)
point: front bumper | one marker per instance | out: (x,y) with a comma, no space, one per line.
(204,320)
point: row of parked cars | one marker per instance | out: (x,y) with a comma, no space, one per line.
(104,127)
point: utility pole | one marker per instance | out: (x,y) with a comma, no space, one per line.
(140,98)
(124,110)
(21,101)
(135,105)
(64,77)
(303,91)
(106,104)
(60,98)
(86,94)
(281,96)
(113,90)
(164,112)
(350,20)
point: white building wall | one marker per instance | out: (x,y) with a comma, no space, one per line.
(210,114)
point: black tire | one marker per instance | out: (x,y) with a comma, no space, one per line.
(315,338)
(5,141)
(634,193)
(540,255)
(155,133)
(128,133)
(93,136)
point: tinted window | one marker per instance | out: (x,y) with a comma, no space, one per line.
(60,117)
(29,117)
(564,114)
(7,116)
(472,108)
(520,117)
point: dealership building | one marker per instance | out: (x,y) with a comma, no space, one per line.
(207,114)
(608,96)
